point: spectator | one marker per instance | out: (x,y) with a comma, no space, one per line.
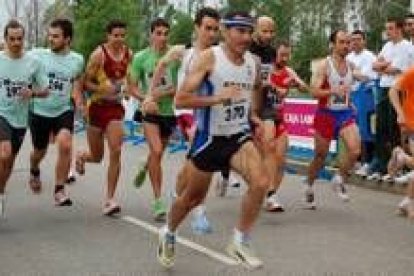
(363,96)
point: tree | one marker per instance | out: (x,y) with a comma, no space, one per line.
(181,28)
(90,30)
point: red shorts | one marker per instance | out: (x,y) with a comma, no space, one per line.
(329,123)
(102,113)
(280,129)
(185,123)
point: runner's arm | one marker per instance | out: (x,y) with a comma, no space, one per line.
(318,80)
(92,68)
(302,86)
(186,98)
(174,54)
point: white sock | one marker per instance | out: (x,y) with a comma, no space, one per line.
(240,237)
(199,210)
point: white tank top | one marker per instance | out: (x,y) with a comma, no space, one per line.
(189,56)
(334,80)
(226,120)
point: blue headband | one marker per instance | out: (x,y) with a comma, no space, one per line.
(238,22)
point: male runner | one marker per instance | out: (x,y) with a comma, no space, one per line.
(54,115)
(275,141)
(159,120)
(206,31)
(105,79)
(401,97)
(335,116)
(21,78)
(228,101)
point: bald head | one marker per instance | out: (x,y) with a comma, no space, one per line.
(265,29)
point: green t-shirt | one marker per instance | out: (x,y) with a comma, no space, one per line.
(142,68)
(62,71)
(15,74)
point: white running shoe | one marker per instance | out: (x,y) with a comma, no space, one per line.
(363,170)
(404,178)
(273,204)
(339,187)
(387,178)
(166,247)
(243,253)
(403,205)
(310,199)
(376,176)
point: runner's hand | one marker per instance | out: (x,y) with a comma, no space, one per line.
(25,94)
(229,93)
(149,106)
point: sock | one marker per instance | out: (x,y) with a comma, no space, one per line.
(35,172)
(199,210)
(240,237)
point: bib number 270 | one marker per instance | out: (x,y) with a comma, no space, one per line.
(233,113)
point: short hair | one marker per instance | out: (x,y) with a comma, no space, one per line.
(399,23)
(159,22)
(334,34)
(359,32)
(113,24)
(12,24)
(206,12)
(409,16)
(65,25)
(281,43)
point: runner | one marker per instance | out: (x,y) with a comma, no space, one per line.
(206,29)
(335,116)
(275,142)
(159,120)
(54,115)
(21,78)
(229,99)
(105,79)
(401,98)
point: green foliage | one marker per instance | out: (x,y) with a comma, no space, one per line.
(93,15)
(181,29)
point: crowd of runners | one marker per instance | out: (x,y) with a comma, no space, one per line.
(225,92)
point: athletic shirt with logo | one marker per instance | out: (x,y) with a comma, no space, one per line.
(62,71)
(142,69)
(16,74)
(113,72)
(189,56)
(333,80)
(230,118)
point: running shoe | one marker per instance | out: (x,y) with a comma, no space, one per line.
(339,187)
(61,198)
(243,253)
(159,210)
(200,223)
(273,204)
(35,183)
(166,247)
(111,208)
(141,175)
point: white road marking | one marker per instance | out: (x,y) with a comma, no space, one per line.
(195,246)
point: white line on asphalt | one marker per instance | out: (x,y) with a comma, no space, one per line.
(195,246)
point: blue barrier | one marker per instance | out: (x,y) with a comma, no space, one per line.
(132,135)
(178,144)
